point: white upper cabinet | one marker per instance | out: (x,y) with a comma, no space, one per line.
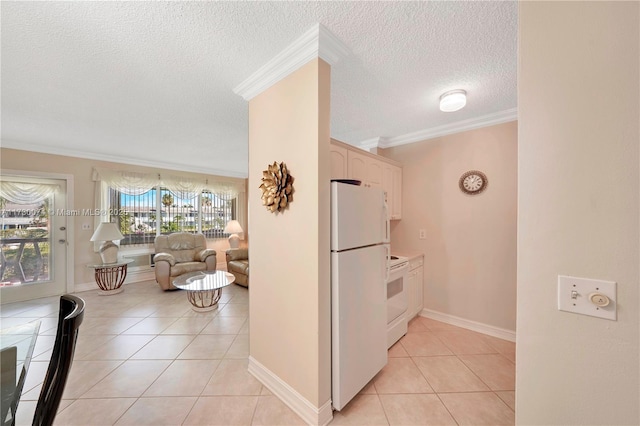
(387,180)
(365,168)
(396,202)
(392,185)
(374,173)
(357,166)
(338,157)
(372,170)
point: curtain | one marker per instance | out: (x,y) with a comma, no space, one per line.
(137,183)
(127,182)
(26,193)
(227,189)
(182,187)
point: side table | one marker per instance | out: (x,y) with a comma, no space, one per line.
(110,276)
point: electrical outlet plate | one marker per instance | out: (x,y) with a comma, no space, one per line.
(579,302)
(422,234)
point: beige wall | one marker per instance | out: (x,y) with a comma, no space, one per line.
(84,191)
(290,281)
(470,245)
(578,210)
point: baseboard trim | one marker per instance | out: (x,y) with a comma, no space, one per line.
(501,333)
(299,404)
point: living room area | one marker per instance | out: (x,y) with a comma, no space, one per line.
(140,204)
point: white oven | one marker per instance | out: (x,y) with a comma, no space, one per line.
(397,299)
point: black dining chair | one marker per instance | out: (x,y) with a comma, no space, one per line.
(69,320)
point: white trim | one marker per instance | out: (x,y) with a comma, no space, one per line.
(24,146)
(330,48)
(316,42)
(501,333)
(446,129)
(372,143)
(299,404)
(71,239)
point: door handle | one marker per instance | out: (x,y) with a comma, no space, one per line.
(62,241)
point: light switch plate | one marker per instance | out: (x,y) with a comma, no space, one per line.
(573,296)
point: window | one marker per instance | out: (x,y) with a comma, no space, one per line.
(134,214)
(148,205)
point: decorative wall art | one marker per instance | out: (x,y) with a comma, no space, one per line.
(277,187)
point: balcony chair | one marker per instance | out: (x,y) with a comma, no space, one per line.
(69,320)
(238,265)
(179,253)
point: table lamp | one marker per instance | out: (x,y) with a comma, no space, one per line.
(233,227)
(107,232)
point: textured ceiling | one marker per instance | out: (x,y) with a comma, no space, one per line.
(151,83)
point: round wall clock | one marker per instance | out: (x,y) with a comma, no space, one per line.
(473,182)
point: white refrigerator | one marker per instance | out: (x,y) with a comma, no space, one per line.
(359,270)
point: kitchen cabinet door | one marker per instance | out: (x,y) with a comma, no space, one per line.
(338,158)
(411,292)
(415,287)
(419,289)
(374,172)
(392,185)
(396,206)
(365,169)
(387,186)
(357,166)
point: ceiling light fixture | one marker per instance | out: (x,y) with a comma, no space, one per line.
(453,100)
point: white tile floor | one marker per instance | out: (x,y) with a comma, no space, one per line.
(144,357)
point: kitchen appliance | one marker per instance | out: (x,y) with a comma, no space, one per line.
(359,272)
(397,299)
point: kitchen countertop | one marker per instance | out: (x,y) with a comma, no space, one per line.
(411,254)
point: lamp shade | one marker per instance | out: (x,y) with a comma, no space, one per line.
(107,231)
(453,100)
(233,227)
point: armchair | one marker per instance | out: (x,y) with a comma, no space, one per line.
(180,253)
(238,265)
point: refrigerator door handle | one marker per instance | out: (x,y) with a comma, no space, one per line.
(387,265)
(387,224)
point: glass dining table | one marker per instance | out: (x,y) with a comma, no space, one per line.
(16,350)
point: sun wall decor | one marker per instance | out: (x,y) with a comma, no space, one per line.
(277,187)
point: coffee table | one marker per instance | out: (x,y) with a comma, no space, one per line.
(204,288)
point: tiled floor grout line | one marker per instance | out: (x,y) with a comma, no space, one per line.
(497,352)
(431,386)
(447,408)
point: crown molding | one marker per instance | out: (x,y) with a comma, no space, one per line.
(372,143)
(22,146)
(447,129)
(317,42)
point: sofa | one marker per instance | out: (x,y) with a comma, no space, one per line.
(238,265)
(179,253)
